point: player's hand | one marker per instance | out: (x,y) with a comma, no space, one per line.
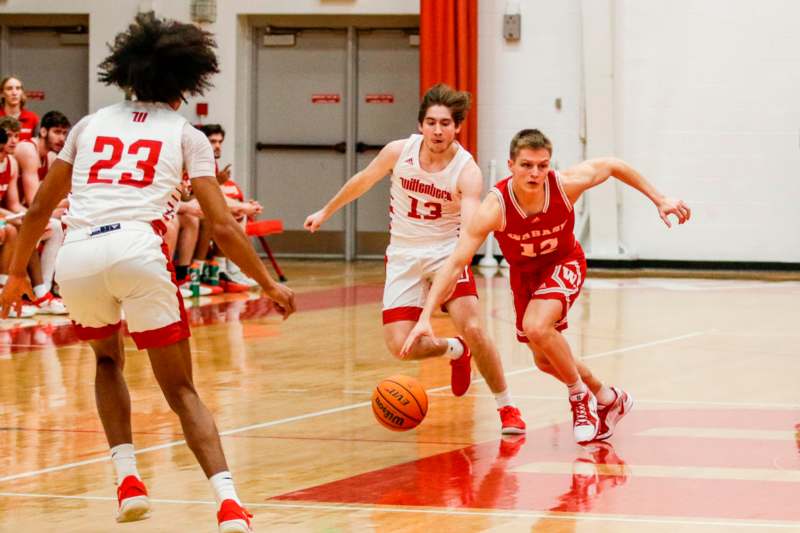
(421,329)
(256,206)
(11,297)
(315,220)
(283,297)
(673,206)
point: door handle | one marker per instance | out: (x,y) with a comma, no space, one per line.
(340,147)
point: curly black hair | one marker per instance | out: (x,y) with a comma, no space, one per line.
(160,60)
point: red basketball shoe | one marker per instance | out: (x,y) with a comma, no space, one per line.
(461,371)
(233,518)
(511,421)
(133,501)
(611,414)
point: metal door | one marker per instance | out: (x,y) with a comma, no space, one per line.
(388,100)
(326,101)
(300,129)
(53,65)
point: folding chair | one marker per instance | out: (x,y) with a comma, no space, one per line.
(262,228)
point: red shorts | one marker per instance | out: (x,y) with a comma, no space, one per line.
(561,281)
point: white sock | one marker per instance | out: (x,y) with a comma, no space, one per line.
(222,483)
(503,399)
(39,291)
(605,396)
(3,279)
(454,348)
(577,387)
(50,252)
(124,461)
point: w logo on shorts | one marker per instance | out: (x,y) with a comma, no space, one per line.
(565,279)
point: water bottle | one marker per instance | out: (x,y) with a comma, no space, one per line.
(194,280)
(212,275)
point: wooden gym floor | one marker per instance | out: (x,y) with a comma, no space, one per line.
(713,444)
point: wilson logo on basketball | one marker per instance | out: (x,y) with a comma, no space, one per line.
(388,415)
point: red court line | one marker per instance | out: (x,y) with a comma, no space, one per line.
(491,475)
(30,338)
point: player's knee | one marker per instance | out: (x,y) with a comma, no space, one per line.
(474,334)
(537,332)
(180,398)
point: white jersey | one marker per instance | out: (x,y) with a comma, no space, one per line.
(425,208)
(128,161)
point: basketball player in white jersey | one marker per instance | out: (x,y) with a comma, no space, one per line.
(436,187)
(123,165)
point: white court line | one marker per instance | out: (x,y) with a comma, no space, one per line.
(588,517)
(315,414)
(739,405)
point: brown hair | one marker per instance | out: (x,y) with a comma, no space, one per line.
(457,102)
(531,139)
(22,99)
(8,123)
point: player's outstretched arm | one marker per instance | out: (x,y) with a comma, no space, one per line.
(53,189)
(470,185)
(228,234)
(593,172)
(486,219)
(360,183)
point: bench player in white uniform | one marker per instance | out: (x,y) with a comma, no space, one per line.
(123,166)
(436,186)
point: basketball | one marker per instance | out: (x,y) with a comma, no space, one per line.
(399,403)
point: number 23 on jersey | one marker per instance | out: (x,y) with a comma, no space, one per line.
(146,152)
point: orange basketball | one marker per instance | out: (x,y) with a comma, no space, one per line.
(399,403)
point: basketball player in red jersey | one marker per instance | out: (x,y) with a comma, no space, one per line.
(12,103)
(532,218)
(36,155)
(436,189)
(122,167)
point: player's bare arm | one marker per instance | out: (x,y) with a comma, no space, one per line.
(487,218)
(359,184)
(11,199)
(228,234)
(593,172)
(470,187)
(53,189)
(27,156)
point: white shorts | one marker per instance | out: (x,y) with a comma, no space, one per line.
(121,266)
(409,274)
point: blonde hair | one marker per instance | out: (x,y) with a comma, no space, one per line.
(5,80)
(531,139)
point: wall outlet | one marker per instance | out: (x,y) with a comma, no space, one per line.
(512,27)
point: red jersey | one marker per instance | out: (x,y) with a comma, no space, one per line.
(534,242)
(44,161)
(28,121)
(231,190)
(5,176)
